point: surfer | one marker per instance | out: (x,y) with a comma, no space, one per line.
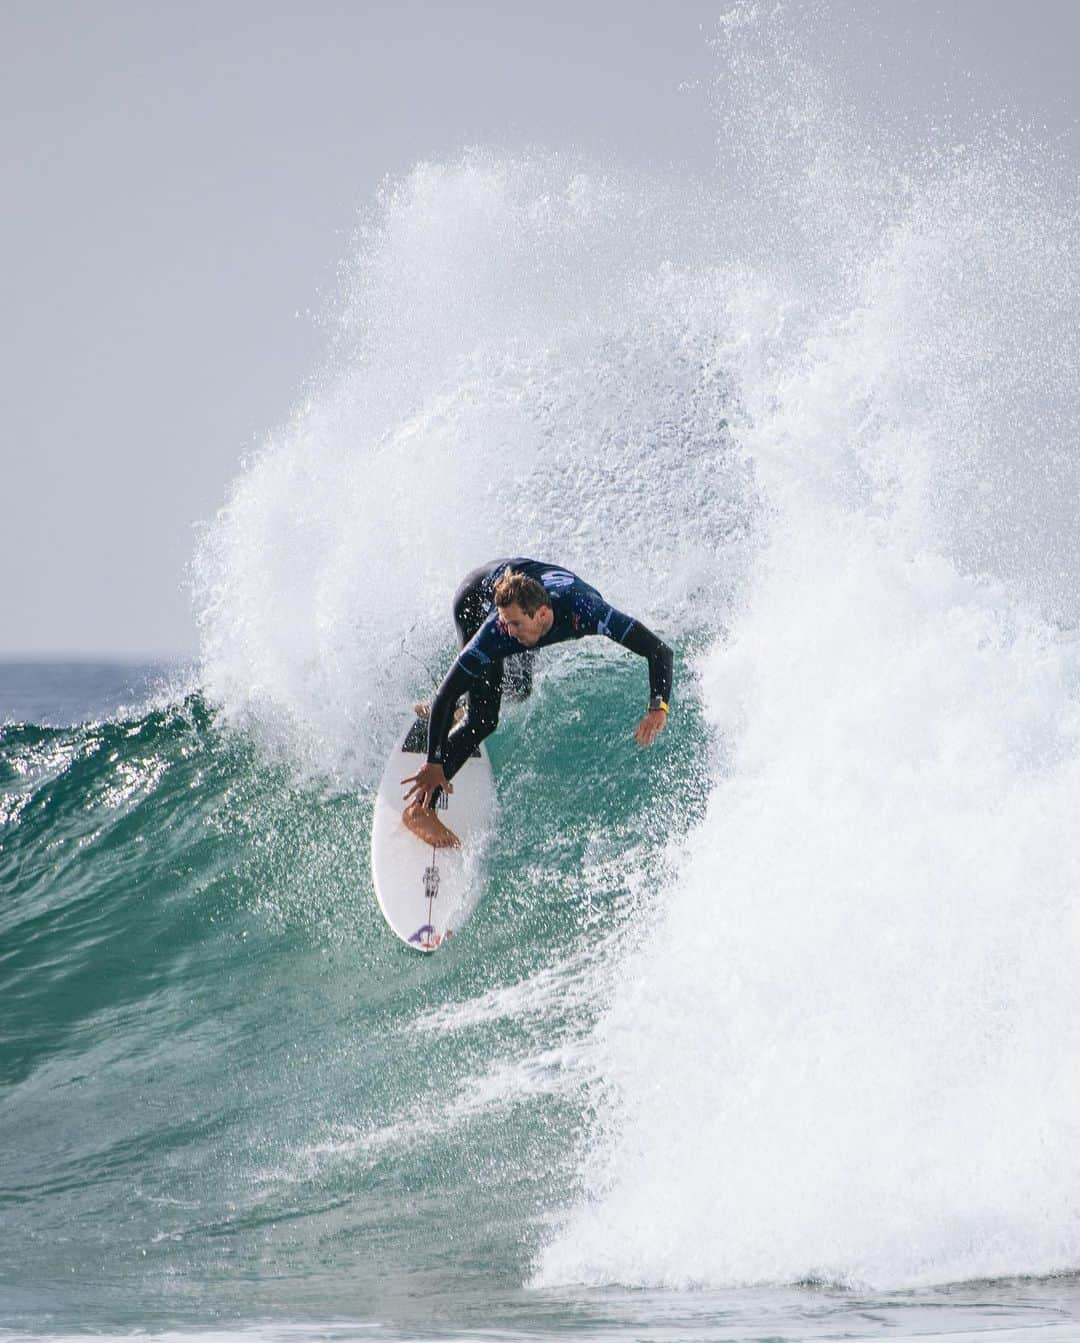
(503,611)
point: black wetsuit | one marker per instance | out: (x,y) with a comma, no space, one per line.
(579,610)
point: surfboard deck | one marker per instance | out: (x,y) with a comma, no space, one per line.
(425,894)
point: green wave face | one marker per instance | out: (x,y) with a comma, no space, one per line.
(227,1088)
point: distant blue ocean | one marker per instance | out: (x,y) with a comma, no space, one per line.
(61,693)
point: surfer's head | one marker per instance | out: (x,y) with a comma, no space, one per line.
(524,608)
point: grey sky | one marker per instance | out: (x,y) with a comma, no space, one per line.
(179,181)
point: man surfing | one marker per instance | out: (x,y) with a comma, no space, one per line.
(504,610)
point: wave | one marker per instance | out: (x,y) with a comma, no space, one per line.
(787,999)
(844,1052)
(212,1040)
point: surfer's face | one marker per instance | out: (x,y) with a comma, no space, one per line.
(527,630)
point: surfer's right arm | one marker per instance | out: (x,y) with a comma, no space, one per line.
(426,782)
(481,655)
(455,684)
(430,777)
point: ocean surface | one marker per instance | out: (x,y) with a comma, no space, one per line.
(235,1107)
(770,1032)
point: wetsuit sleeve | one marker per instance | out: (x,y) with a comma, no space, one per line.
(455,684)
(488,646)
(661,659)
(623,629)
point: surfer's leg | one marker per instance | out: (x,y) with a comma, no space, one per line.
(472,602)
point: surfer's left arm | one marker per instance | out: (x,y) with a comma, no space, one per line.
(639,639)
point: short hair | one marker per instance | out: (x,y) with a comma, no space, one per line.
(515,589)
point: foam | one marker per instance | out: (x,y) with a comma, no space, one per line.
(847,1051)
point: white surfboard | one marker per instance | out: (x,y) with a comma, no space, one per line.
(426,894)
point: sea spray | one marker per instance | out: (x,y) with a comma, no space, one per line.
(526,364)
(847,1050)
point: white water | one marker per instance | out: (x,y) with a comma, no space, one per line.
(829,400)
(849,1047)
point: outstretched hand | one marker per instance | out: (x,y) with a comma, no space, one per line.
(650,727)
(425,782)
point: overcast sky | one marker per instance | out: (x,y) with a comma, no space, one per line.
(179,182)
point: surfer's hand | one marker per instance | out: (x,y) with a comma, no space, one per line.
(425,781)
(650,727)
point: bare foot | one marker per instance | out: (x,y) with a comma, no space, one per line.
(422,709)
(425,825)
